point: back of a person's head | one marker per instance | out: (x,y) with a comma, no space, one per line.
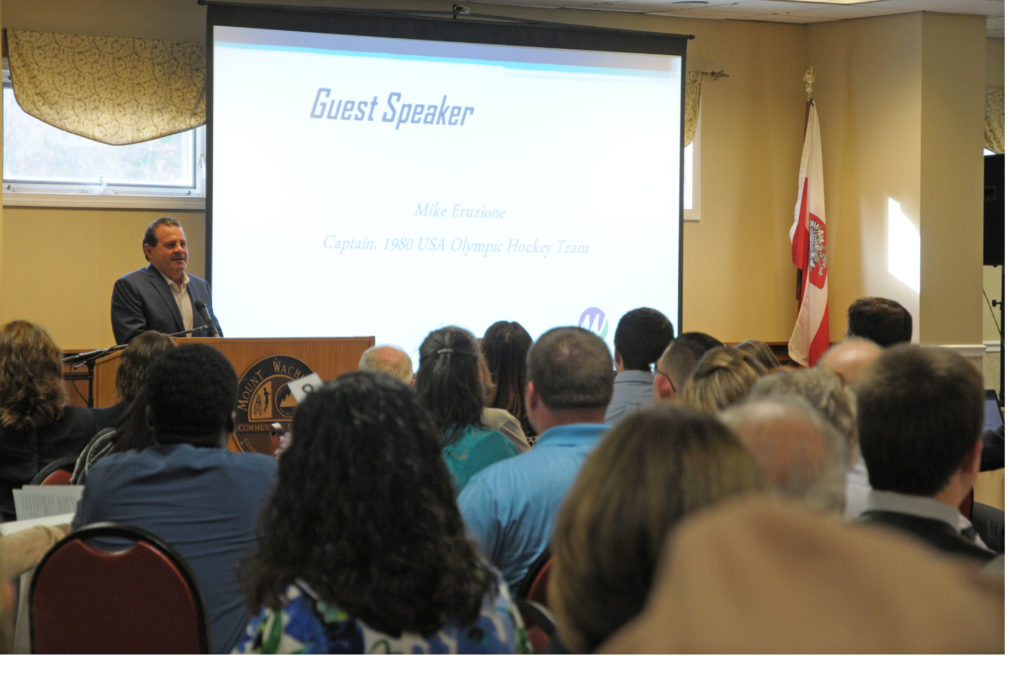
(678,362)
(760,351)
(757,576)
(641,336)
(821,389)
(722,377)
(505,345)
(136,360)
(387,359)
(919,413)
(880,320)
(448,381)
(800,454)
(700,342)
(849,358)
(364,512)
(191,393)
(31,377)
(571,368)
(657,466)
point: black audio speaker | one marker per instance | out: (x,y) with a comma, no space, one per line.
(994,209)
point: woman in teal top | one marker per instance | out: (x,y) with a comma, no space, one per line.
(449,385)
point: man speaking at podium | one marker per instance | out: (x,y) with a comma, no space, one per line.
(162,297)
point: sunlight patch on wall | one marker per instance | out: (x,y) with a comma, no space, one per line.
(904,248)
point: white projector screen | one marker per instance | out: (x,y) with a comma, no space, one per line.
(371,185)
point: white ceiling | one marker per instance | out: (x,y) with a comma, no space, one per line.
(786,11)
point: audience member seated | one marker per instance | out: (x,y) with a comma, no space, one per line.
(753,576)
(656,467)
(919,417)
(504,347)
(672,369)
(640,338)
(132,369)
(499,419)
(849,358)
(133,433)
(800,455)
(825,392)
(762,352)
(881,320)
(449,386)
(362,549)
(36,424)
(388,359)
(509,508)
(700,343)
(722,377)
(136,360)
(189,489)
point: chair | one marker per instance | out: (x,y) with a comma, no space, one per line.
(141,600)
(535,586)
(57,472)
(540,625)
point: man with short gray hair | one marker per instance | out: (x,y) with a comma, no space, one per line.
(799,453)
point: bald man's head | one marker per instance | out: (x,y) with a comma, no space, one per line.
(387,359)
(849,358)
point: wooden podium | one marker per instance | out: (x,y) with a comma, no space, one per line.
(264,366)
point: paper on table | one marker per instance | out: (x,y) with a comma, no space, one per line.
(32,501)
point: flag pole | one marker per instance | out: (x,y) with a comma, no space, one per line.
(808,81)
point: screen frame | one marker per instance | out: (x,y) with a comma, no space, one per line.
(443,28)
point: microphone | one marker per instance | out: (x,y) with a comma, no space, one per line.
(204,314)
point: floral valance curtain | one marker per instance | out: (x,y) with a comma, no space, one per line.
(112,90)
(994,120)
(693,81)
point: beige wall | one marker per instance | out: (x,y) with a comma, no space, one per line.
(869,97)
(57,266)
(60,265)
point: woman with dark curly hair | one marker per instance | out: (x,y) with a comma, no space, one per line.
(363,548)
(449,384)
(504,347)
(36,424)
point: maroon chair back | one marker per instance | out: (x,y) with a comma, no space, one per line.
(538,590)
(57,478)
(57,472)
(140,600)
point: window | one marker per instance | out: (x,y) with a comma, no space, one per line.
(44,165)
(691,179)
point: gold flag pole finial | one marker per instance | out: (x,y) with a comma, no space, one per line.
(809,82)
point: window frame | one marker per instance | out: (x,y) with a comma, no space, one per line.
(96,195)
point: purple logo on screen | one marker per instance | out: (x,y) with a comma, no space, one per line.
(594,320)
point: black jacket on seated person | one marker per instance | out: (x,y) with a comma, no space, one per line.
(23,453)
(936,533)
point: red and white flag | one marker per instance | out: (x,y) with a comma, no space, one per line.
(807,236)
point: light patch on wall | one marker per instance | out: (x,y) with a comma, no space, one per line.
(904,248)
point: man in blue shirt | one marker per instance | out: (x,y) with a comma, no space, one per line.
(510,507)
(189,489)
(640,338)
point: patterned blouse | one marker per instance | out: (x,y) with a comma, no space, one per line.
(307,625)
